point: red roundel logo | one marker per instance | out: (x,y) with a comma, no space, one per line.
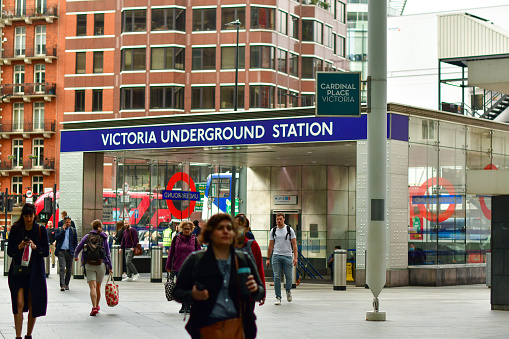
(181,176)
(485,210)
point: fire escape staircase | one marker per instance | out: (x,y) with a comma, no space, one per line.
(496,105)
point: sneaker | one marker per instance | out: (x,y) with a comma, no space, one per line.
(62,288)
(124,275)
(289,296)
(98,308)
(278,301)
(94,311)
(127,279)
(136,277)
(67,287)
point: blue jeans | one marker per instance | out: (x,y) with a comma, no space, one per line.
(278,262)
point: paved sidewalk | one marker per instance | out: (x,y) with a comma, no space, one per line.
(316,312)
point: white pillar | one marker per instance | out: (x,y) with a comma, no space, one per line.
(377,135)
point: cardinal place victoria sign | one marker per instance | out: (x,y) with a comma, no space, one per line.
(338,94)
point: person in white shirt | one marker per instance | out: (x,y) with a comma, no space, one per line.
(282,248)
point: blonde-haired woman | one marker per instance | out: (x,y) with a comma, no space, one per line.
(95,269)
(182,246)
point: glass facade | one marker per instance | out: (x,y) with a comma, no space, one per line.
(447,225)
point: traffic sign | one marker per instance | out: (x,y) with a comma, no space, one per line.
(28,194)
(136,213)
(124,215)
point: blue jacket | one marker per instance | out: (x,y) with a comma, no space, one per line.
(60,237)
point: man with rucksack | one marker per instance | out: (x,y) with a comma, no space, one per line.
(283,252)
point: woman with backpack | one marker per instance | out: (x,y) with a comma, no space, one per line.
(182,245)
(96,258)
(249,246)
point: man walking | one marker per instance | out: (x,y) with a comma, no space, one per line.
(282,242)
(61,221)
(129,241)
(67,240)
(51,240)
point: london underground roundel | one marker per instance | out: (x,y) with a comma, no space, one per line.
(181,176)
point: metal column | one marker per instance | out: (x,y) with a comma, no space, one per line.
(377,138)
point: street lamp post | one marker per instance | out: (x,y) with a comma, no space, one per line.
(236,23)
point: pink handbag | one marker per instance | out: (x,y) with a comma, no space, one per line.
(111,292)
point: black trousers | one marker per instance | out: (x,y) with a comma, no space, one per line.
(65,265)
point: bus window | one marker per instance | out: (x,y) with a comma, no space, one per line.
(224,188)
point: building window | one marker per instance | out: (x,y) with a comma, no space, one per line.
(262,18)
(262,57)
(37,184)
(167,97)
(229,14)
(308,100)
(310,66)
(19,79)
(282,22)
(328,66)
(97,100)
(312,31)
(19,41)
(81,24)
(21,8)
(327,36)
(79,101)
(17,152)
(340,12)
(281,61)
(281,98)
(204,19)
(134,21)
(40,40)
(261,97)
(17,186)
(38,152)
(132,98)
(228,57)
(39,78)
(203,97)
(99,24)
(98,62)
(341,46)
(40,6)
(227,95)
(294,27)
(293,67)
(167,58)
(204,58)
(18,116)
(169,19)
(81,62)
(38,116)
(133,59)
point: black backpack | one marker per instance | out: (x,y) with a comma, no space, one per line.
(94,250)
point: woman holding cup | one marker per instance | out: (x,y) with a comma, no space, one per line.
(221,284)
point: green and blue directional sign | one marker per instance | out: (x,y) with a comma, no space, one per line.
(338,94)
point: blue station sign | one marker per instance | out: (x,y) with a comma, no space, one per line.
(338,94)
(433,199)
(181,195)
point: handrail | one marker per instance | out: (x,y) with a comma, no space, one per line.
(306,270)
(308,263)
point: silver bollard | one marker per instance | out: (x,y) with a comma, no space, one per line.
(117,259)
(78,268)
(7,260)
(339,275)
(156,264)
(47,265)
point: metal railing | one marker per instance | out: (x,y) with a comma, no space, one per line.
(30,12)
(36,126)
(9,165)
(28,89)
(17,52)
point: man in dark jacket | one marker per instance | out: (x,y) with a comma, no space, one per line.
(61,222)
(129,242)
(67,240)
